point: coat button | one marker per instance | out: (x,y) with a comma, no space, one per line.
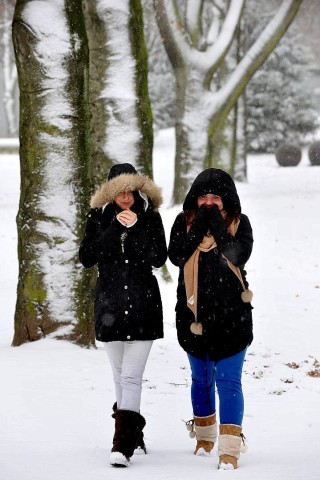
(125,287)
(126,312)
(126,261)
(128,337)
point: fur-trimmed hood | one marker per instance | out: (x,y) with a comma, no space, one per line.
(124,183)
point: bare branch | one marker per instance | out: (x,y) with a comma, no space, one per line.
(193,19)
(255,57)
(168,24)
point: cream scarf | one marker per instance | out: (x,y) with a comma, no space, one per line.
(191,275)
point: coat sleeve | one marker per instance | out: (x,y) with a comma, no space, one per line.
(182,243)
(146,240)
(97,243)
(236,248)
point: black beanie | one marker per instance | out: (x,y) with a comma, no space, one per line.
(121,168)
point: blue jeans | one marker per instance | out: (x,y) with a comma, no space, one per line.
(226,375)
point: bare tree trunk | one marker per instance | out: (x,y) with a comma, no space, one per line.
(121,118)
(233,156)
(52,61)
(238,158)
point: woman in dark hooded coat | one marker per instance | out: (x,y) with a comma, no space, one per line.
(211,240)
(124,236)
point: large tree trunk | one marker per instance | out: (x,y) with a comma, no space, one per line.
(52,61)
(121,118)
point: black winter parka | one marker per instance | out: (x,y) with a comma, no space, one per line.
(226,319)
(127,303)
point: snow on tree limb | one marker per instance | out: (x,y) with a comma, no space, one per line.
(176,37)
(212,57)
(122,132)
(255,57)
(193,12)
(210,78)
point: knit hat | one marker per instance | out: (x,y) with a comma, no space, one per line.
(218,182)
(121,168)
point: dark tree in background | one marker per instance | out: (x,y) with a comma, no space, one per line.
(280,108)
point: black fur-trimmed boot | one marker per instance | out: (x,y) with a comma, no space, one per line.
(128,428)
(140,446)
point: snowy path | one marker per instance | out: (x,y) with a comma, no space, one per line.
(56,398)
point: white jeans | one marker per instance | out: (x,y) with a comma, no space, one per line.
(128,360)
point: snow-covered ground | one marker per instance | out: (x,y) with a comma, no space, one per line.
(56,398)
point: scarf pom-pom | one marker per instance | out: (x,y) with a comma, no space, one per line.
(196,328)
(247,296)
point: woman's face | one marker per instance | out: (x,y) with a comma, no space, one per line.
(125,200)
(209,200)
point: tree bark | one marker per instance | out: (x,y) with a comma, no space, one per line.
(52,62)
(121,117)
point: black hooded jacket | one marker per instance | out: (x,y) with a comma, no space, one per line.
(127,303)
(226,319)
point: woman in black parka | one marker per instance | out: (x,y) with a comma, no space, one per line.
(124,236)
(211,240)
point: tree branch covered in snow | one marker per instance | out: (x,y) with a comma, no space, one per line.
(207,88)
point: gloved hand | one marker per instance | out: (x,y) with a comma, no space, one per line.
(201,219)
(216,223)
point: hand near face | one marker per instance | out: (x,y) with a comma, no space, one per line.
(127,217)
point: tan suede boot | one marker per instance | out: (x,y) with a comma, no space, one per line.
(206,434)
(229,446)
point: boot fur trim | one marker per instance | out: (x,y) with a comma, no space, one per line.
(230,429)
(209,433)
(206,433)
(205,421)
(229,444)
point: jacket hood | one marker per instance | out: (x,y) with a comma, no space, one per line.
(218,182)
(125,182)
